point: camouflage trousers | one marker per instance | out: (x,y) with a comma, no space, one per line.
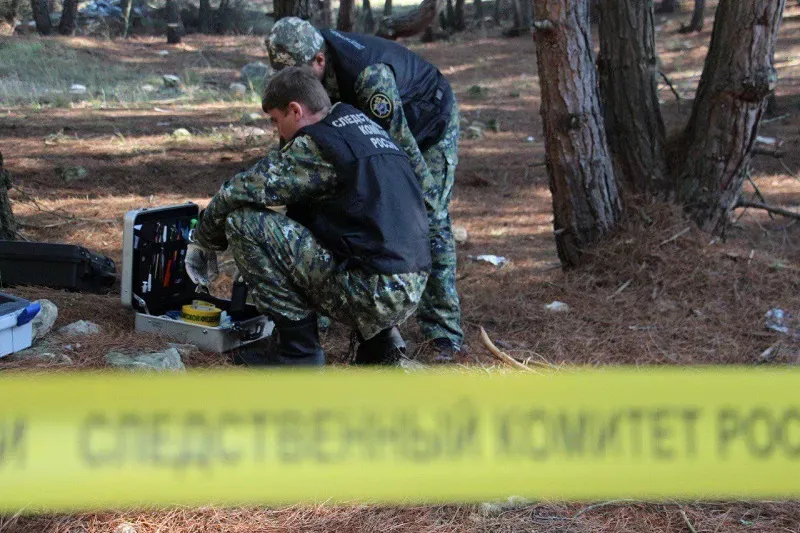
(290,274)
(439,313)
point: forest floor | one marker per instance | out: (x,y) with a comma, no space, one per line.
(659,292)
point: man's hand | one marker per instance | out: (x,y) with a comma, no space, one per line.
(201,265)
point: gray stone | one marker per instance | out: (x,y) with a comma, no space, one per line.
(171,81)
(69,174)
(460,234)
(81,327)
(77,88)
(148,88)
(43,322)
(44,352)
(256,74)
(250,118)
(181,133)
(169,359)
(125,528)
(474,132)
(239,89)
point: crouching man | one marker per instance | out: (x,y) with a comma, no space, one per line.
(354,242)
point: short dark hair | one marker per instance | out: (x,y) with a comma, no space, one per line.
(295,84)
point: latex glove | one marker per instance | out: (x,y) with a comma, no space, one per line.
(201,265)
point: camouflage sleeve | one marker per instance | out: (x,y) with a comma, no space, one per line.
(294,174)
(379,97)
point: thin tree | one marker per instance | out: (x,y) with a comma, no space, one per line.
(458,16)
(41,15)
(8,226)
(478,12)
(127,7)
(415,21)
(367,19)
(175,28)
(344,22)
(205,15)
(387,8)
(698,18)
(66,26)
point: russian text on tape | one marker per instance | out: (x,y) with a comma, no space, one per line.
(90,441)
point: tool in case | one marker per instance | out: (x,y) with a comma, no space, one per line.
(61,266)
(155,284)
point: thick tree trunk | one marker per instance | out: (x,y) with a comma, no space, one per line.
(8,226)
(325,14)
(367,20)
(344,21)
(387,8)
(522,18)
(41,14)
(737,78)
(293,8)
(175,28)
(498,11)
(206,16)
(458,16)
(478,15)
(9,16)
(449,16)
(698,17)
(586,202)
(66,26)
(628,69)
(412,23)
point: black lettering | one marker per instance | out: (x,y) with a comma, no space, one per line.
(226,421)
(608,439)
(321,435)
(760,417)
(260,436)
(290,437)
(504,437)
(540,452)
(464,432)
(91,455)
(728,423)
(198,442)
(158,436)
(791,416)
(661,435)
(572,433)
(635,416)
(690,417)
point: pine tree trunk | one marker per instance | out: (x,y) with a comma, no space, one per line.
(9,16)
(586,202)
(449,16)
(737,79)
(294,8)
(344,21)
(175,28)
(8,226)
(478,15)
(628,69)
(668,6)
(41,14)
(497,12)
(127,6)
(698,17)
(66,26)
(368,20)
(458,16)
(206,16)
(387,8)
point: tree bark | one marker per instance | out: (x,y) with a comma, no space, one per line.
(8,226)
(497,11)
(586,202)
(127,6)
(737,78)
(206,16)
(293,8)
(698,17)
(368,21)
(668,6)
(387,8)
(458,16)
(344,22)
(175,28)
(9,16)
(41,14)
(66,26)
(628,83)
(478,15)
(412,23)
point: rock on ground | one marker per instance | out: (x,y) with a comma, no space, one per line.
(81,327)
(169,359)
(43,322)
(239,89)
(171,81)
(181,133)
(460,234)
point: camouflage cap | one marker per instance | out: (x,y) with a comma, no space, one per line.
(293,42)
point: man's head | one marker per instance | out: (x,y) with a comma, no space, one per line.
(294,42)
(295,98)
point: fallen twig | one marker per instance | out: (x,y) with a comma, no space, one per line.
(68,217)
(675,237)
(769,209)
(621,288)
(686,519)
(777,154)
(770,353)
(775,119)
(671,87)
(789,170)
(501,355)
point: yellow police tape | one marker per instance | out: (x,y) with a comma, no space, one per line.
(87,441)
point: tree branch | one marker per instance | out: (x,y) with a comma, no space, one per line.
(769,209)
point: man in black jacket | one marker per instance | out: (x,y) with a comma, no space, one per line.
(413,102)
(354,242)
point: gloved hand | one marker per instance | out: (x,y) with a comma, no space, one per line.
(201,265)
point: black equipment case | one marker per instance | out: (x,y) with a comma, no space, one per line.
(61,266)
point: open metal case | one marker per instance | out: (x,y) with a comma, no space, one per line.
(154,282)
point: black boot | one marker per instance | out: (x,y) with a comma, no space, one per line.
(298,345)
(385,348)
